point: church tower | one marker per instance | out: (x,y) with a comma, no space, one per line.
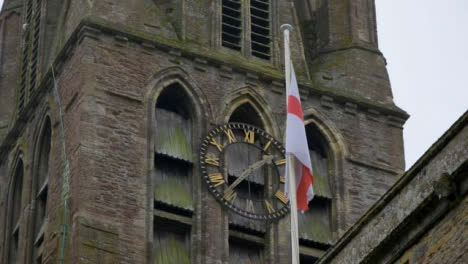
(145,169)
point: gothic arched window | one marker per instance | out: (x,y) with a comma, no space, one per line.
(14,214)
(314,225)
(40,190)
(172,175)
(241,156)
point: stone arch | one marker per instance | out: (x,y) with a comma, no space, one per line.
(197,108)
(177,75)
(199,102)
(337,152)
(326,127)
(16,177)
(39,184)
(247,95)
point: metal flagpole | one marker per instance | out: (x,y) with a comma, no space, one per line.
(286,28)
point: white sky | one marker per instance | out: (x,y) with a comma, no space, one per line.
(426,46)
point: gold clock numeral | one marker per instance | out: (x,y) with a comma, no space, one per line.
(230,135)
(280,162)
(230,196)
(267,146)
(280,195)
(250,206)
(217,179)
(215,143)
(249,136)
(212,160)
(282,179)
(269,207)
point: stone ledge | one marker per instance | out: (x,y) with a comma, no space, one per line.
(94,27)
(375,165)
(265,71)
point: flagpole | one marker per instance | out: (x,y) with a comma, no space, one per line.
(286,28)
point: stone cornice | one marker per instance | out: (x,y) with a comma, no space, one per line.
(265,71)
(92,27)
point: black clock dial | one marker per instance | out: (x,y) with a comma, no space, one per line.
(243,167)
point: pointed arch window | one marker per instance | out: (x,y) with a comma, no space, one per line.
(172,175)
(315,224)
(14,214)
(257,27)
(40,191)
(242,156)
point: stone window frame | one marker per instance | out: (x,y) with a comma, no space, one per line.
(237,98)
(37,242)
(200,114)
(246,49)
(337,152)
(14,229)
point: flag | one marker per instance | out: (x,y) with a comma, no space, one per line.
(296,145)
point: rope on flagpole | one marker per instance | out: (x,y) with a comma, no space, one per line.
(66,183)
(286,28)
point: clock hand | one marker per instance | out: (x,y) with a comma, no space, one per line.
(267,159)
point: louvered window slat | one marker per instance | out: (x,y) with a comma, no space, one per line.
(230,29)
(260,38)
(256,20)
(262,13)
(231,46)
(231,21)
(260,28)
(228,36)
(231,24)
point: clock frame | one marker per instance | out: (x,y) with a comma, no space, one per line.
(226,188)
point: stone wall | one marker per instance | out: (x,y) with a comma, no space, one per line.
(417,218)
(446,242)
(10,39)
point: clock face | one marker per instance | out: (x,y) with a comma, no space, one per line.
(243,167)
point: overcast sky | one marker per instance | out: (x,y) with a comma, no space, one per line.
(426,46)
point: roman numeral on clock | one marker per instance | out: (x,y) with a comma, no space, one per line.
(217,179)
(269,207)
(250,206)
(212,160)
(249,136)
(280,195)
(280,162)
(230,135)
(215,143)
(230,196)
(267,146)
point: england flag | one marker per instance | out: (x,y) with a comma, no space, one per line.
(296,145)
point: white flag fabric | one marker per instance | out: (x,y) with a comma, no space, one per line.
(296,144)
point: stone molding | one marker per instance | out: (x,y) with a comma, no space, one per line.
(95,27)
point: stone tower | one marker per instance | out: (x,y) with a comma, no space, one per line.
(140,84)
